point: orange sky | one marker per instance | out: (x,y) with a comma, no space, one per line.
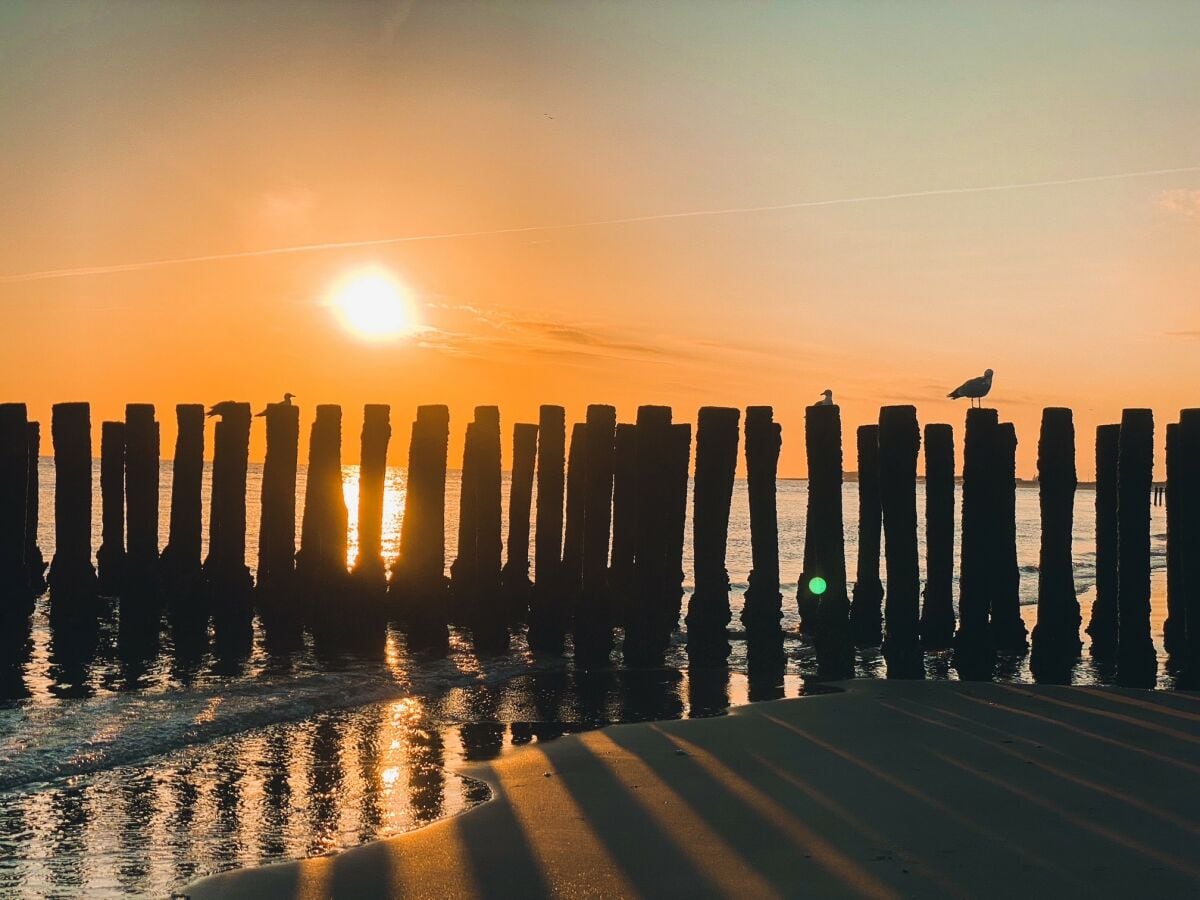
(151,133)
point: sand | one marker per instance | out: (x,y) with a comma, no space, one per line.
(887,789)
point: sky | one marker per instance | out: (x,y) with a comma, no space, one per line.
(691,203)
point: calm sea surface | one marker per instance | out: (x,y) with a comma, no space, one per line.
(120,777)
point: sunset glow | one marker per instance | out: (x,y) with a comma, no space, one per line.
(373,305)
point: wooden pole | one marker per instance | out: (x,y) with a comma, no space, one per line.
(180,563)
(142,450)
(593,621)
(866,608)
(277,528)
(1175,626)
(14,483)
(1136,658)
(515,581)
(678,465)
(643,617)
(1009,634)
(899,444)
(72,577)
(464,571)
(35,565)
(488,625)
(228,578)
(372,472)
(1189,543)
(1102,628)
(624,540)
(110,558)
(763,607)
(1056,643)
(546,624)
(571,566)
(937,613)
(321,561)
(708,614)
(973,641)
(821,591)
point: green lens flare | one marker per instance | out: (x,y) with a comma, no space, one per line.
(817,585)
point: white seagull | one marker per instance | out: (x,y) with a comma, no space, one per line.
(974,389)
(287,401)
(826,398)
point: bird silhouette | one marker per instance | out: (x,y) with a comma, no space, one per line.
(826,398)
(286,401)
(974,389)
(223,408)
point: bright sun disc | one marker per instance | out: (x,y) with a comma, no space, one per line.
(373,305)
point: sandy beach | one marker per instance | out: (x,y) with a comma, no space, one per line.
(886,789)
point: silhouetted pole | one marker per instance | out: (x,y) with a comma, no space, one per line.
(624,538)
(866,609)
(645,617)
(515,575)
(142,450)
(593,623)
(1056,643)
(372,471)
(72,577)
(110,558)
(546,620)
(14,482)
(1136,662)
(225,568)
(419,577)
(763,607)
(822,586)
(464,571)
(708,613)
(899,444)
(1175,626)
(277,528)
(937,612)
(973,641)
(1008,628)
(1189,541)
(488,627)
(679,462)
(35,565)
(1102,628)
(180,561)
(571,567)
(321,561)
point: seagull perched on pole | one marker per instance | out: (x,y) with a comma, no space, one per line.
(974,389)
(223,408)
(826,398)
(287,401)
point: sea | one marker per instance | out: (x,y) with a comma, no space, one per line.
(122,777)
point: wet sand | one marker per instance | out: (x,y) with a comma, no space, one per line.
(888,789)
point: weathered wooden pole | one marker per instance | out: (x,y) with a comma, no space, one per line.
(35,565)
(1009,634)
(547,623)
(321,560)
(593,621)
(1175,626)
(464,571)
(514,577)
(72,577)
(763,607)
(1102,627)
(866,607)
(624,538)
(708,613)
(571,566)
(899,444)
(488,626)
(1189,542)
(110,558)
(14,483)
(419,574)
(142,450)
(937,612)
(1136,658)
(277,528)
(644,616)
(1056,643)
(973,641)
(228,578)
(679,460)
(821,591)
(180,564)
(372,472)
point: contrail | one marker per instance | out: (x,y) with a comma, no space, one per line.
(594,223)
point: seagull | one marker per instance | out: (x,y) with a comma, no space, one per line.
(287,401)
(826,398)
(223,408)
(974,389)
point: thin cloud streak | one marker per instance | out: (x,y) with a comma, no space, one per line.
(596,223)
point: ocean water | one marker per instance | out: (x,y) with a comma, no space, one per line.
(134,777)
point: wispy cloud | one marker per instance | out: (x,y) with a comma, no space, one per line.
(595,223)
(1181,201)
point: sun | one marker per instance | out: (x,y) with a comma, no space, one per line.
(374,305)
